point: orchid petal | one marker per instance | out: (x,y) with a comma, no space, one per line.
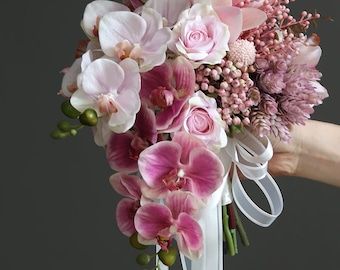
(118,153)
(125,213)
(70,78)
(308,55)
(204,172)
(157,161)
(252,18)
(102,77)
(146,124)
(183,202)
(121,122)
(173,119)
(189,236)
(81,101)
(184,77)
(187,143)
(119,26)
(132,79)
(127,185)
(233,17)
(97,9)
(151,219)
(102,132)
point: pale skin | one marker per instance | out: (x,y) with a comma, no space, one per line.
(313,153)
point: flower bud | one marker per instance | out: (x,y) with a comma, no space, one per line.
(135,243)
(64,126)
(143,259)
(58,134)
(69,110)
(89,118)
(169,257)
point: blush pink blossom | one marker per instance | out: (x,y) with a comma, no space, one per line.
(141,37)
(130,187)
(167,89)
(175,219)
(204,121)
(184,163)
(200,36)
(94,11)
(122,151)
(112,90)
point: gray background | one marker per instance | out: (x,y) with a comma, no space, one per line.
(56,206)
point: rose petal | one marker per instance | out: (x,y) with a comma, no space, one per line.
(125,214)
(189,237)
(151,219)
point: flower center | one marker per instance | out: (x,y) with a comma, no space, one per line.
(136,147)
(161,97)
(125,49)
(175,180)
(164,243)
(107,104)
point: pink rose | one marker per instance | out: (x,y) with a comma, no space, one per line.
(204,122)
(200,36)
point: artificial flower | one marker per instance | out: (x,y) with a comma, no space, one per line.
(167,89)
(95,11)
(69,83)
(142,37)
(130,187)
(204,121)
(175,219)
(184,163)
(122,151)
(112,90)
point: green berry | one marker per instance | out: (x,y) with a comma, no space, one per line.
(73,132)
(169,257)
(58,135)
(89,118)
(134,242)
(64,126)
(143,259)
(69,110)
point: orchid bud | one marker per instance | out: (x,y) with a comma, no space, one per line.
(135,243)
(143,259)
(169,257)
(58,134)
(89,118)
(64,126)
(69,110)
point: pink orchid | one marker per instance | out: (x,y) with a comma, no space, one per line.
(130,187)
(181,164)
(69,83)
(167,89)
(112,90)
(162,223)
(133,4)
(169,9)
(95,11)
(238,19)
(123,150)
(141,37)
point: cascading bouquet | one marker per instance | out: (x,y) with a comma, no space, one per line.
(183,95)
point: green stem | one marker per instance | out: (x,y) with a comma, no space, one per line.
(241,230)
(234,235)
(227,233)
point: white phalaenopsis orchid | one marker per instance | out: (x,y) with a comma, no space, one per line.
(112,90)
(95,11)
(141,37)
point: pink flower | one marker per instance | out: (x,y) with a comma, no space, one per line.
(204,122)
(200,36)
(133,4)
(238,19)
(169,9)
(167,89)
(112,90)
(182,164)
(252,3)
(130,187)
(142,37)
(172,220)
(122,151)
(95,11)
(69,83)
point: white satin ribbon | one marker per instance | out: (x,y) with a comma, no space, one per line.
(251,156)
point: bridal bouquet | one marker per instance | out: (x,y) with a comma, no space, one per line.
(182,95)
